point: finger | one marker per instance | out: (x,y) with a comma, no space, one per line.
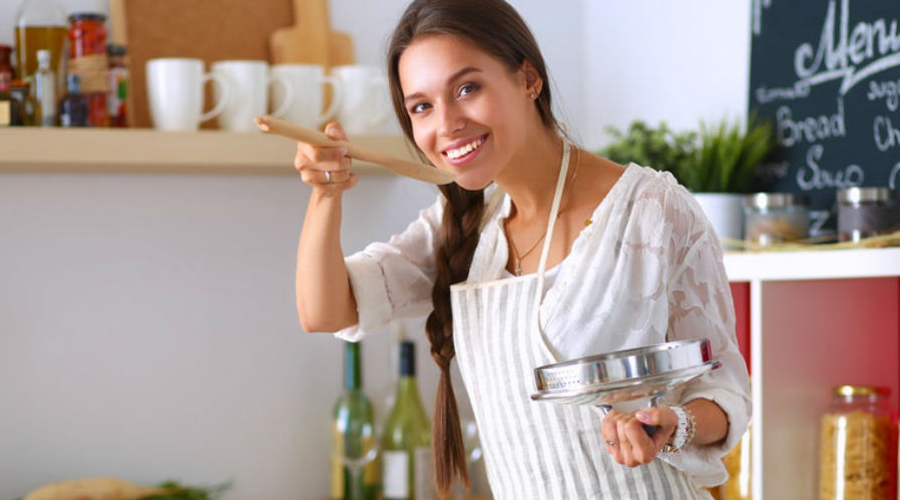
(625,447)
(610,435)
(642,447)
(335,131)
(664,418)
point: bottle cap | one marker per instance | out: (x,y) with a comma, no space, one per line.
(115,49)
(43,57)
(73,83)
(407,358)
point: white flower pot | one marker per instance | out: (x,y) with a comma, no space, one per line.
(726,213)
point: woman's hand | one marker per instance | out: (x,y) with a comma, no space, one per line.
(627,440)
(326,169)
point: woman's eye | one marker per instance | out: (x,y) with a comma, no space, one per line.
(468,89)
(418,108)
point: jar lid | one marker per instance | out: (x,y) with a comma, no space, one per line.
(860,390)
(87,16)
(864,195)
(763,201)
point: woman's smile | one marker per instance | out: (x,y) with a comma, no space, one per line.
(465,150)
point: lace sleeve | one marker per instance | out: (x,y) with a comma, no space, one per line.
(701,305)
(393,280)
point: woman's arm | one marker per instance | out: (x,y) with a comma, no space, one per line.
(325,300)
(627,440)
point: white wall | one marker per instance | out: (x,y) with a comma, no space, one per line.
(679,61)
(147,324)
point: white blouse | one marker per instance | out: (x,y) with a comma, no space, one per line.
(647,270)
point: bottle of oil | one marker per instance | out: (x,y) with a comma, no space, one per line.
(40,25)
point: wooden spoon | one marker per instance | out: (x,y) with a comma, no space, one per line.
(399,165)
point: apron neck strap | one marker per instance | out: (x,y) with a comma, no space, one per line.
(554,211)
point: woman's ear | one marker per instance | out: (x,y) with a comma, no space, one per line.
(533,81)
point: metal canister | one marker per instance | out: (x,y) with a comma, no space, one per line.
(771,218)
(864,212)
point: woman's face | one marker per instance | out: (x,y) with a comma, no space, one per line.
(469,113)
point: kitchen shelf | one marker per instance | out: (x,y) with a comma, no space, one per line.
(813,319)
(813,264)
(25,149)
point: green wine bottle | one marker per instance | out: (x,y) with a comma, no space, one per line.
(408,470)
(354,464)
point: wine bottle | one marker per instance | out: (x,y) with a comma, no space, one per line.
(406,442)
(354,464)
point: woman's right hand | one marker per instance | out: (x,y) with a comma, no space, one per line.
(325,168)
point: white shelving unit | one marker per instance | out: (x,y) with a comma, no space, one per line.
(817,319)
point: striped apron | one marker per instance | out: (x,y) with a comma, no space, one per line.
(538,450)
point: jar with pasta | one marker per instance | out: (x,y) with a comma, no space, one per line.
(738,464)
(857,449)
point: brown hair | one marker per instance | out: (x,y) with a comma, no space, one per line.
(495,27)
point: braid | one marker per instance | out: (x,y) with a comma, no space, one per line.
(460,232)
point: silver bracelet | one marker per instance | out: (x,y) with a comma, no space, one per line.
(684,431)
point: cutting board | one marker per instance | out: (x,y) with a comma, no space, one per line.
(310,39)
(211,30)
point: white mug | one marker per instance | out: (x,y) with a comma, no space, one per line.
(175,93)
(365,103)
(250,81)
(307,83)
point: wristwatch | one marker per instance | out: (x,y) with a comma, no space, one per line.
(684,431)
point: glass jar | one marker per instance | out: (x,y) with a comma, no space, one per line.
(88,60)
(864,212)
(857,445)
(771,218)
(738,463)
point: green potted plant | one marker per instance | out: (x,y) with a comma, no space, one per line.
(717,164)
(658,147)
(723,170)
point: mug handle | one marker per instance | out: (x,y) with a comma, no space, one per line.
(386,113)
(223,99)
(285,105)
(336,96)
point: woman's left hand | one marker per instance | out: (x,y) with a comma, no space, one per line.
(627,440)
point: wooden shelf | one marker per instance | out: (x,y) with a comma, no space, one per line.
(145,150)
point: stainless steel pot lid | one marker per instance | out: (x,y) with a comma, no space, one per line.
(609,378)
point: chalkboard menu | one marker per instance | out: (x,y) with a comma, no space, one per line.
(827,76)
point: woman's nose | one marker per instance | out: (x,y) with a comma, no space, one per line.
(451,120)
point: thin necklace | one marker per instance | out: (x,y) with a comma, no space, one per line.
(518,258)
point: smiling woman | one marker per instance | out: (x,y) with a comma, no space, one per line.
(468,85)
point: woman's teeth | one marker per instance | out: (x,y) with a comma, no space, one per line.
(468,148)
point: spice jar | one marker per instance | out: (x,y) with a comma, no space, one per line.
(88,60)
(118,85)
(864,212)
(857,445)
(771,218)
